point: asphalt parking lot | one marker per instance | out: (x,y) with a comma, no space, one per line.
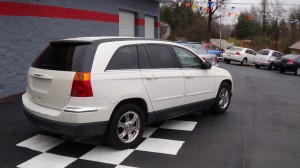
(260,129)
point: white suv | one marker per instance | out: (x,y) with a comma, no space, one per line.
(89,86)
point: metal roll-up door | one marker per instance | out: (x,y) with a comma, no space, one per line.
(126,24)
(149,27)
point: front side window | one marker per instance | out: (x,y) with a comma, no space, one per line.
(124,58)
(160,56)
(187,58)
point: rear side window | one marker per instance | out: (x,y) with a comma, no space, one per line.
(144,59)
(160,56)
(124,58)
(62,57)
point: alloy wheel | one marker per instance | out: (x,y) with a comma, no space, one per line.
(128,127)
(224,98)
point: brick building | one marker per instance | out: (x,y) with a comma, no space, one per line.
(26,27)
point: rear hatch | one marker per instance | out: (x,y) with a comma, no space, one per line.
(263,56)
(50,77)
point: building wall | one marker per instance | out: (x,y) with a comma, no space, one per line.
(27,28)
(295,51)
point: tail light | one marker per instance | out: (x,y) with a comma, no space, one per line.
(216,59)
(238,53)
(81,86)
(203,58)
(269,60)
(290,61)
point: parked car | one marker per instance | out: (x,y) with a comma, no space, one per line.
(213,49)
(82,87)
(198,48)
(238,54)
(290,63)
(267,58)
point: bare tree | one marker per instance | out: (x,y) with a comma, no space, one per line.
(264,5)
(211,10)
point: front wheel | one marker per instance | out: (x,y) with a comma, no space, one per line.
(271,67)
(281,71)
(222,100)
(227,61)
(126,127)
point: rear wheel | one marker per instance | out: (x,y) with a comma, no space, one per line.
(227,61)
(281,71)
(257,66)
(271,66)
(126,127)
(297,72)
(222,100)
(244,62)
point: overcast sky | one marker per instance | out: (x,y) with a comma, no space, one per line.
(256,3)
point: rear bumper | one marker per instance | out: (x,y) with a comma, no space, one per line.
(68,129)
(287,67)
(262,63)
(233,58)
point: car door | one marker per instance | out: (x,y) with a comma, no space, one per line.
(162,78)
(199,83)
(253,55)
(250,56)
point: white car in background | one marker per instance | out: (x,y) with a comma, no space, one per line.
(238,54)
(267,58)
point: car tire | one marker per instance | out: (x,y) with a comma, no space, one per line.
(297,72)
(257,66)
(222,100)
(271,66)
(227,61)
(126,127)
(281,71)
(244,62)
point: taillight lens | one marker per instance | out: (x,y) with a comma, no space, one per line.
(238,53)
(269,60)
(216,59)
(203,58)
(81,86)
(290,61)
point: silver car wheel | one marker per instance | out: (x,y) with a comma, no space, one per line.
(128,127)
(224,98)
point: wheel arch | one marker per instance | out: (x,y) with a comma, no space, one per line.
(229,82)
(137,101)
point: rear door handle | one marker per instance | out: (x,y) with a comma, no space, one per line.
(149,77)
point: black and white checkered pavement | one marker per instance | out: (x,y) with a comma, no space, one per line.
(57,153)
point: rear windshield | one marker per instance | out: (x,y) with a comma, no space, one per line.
(63,57)
(293,57)
(236,49)
(264,52)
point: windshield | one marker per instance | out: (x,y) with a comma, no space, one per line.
(264,52)
(197,48)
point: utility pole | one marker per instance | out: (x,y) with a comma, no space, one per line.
(264,5)
(220,32)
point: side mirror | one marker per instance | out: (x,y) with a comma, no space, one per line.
(206,65)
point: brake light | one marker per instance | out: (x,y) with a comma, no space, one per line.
(290,61)
(269,60)
(238,53)
(81,86)
(203,58)
(216,59)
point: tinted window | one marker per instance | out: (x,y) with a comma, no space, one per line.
(160,56)
(276,54)
(124,58)
(264,52)
(291,56)
(62,57)
(252,52)
(144,59)
(187,58)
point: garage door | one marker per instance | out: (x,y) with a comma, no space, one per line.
(126,24)
(149,27)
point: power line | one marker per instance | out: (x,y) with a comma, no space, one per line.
(248,3)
